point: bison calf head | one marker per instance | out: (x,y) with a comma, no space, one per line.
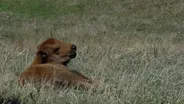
(58,48)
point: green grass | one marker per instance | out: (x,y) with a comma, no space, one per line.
(135,47)
(34,8)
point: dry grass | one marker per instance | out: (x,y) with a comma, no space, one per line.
(134,47)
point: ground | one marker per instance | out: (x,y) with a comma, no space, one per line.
(136,47)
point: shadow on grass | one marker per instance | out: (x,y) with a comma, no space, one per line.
(9,100)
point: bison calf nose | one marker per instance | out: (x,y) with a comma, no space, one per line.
(74,47)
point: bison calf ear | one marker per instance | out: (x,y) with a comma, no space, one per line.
(43,55)
(38,47)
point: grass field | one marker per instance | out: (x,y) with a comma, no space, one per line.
(136,47)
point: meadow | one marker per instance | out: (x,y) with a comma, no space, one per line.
(135,47)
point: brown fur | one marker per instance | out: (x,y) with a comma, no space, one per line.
(52,46)
(49,68)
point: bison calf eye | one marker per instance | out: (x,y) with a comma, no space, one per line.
(56,49)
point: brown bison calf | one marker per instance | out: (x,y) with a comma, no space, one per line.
(49,68)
